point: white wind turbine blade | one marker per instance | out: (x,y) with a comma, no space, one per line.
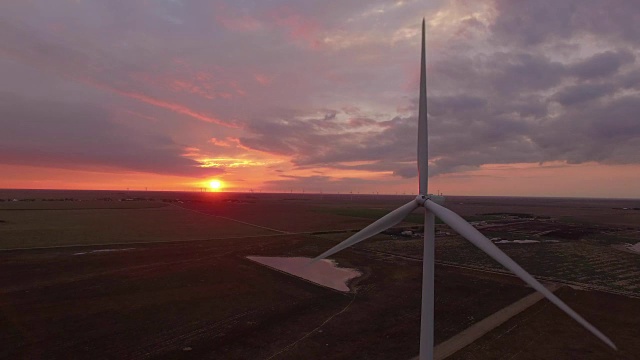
(465,229)
(423,149)
(378,226)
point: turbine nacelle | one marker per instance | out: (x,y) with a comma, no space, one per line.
(422,199)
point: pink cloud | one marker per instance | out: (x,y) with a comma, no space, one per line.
(178,108)
(204,90)
(351,110)
(191,152)
(361,122)
(231,20)
(237,88)
(219,142)
(263,79)
(231,142)
(298,26)
(137,114)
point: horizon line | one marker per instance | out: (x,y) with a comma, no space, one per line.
(195,190)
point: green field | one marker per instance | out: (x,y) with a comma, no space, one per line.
(155,300)
(373,213)
(77,205)
(43,228)
(595,258)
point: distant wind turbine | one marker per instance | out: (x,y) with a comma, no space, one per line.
(432,206)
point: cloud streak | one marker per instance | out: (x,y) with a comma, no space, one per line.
(82,136)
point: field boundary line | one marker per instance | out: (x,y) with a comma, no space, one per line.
(238,221)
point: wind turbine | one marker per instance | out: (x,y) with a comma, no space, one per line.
(432,206)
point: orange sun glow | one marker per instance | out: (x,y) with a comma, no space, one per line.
(215,184)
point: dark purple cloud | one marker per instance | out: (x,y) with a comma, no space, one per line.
(607,133)
(576,94)
(526,23)
(602,64)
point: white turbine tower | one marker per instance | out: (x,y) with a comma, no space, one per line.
(432,208)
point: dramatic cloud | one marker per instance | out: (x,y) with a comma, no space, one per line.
(526,23)
(75,135)
(602,64)
(275,92)
(576,94)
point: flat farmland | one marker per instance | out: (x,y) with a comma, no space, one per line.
(544,332)
(45,227)
(78,205)
(156,300)
(296,214)
(598,211)
(151,292)
(174,217)
(601,266)
(571,251)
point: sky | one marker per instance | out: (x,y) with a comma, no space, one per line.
(525,98)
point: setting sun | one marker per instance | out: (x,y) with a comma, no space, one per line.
(215,184)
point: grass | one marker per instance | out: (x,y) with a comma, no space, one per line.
(154,301)
(611,239)
(485,217)
(591,261)
(414,218)
(77,205)
(573,220)
(374,214)
(505,235)
(34,228)
(517,215)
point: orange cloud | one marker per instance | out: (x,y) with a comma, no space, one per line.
(205,91)
(37,177)
(234,142)
(219,142)
(178,108)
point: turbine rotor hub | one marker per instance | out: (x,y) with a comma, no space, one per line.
(422,199)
